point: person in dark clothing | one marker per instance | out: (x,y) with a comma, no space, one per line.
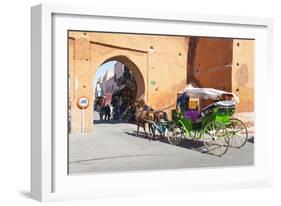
(107,112)
(182,102)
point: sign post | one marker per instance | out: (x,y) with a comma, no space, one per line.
(83,103)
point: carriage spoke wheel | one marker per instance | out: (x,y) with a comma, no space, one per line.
(174,135)
(216,138)
(238,134)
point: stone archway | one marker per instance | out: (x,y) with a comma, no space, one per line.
(88,56)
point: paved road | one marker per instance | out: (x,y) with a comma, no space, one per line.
(114,146)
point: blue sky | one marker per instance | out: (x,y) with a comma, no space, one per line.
(103,68)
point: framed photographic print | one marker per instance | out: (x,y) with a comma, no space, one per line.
(133,102)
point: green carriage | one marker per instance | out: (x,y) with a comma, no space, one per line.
(214,124)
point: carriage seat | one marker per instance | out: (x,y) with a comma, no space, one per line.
(227,104)
(221,104)
(194,115)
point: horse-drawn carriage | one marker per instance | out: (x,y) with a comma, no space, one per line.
(214,124)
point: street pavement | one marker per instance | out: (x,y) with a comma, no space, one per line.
(114,146)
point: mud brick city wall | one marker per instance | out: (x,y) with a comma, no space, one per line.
(225,64)
(162,66)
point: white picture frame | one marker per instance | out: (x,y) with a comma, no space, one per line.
(49,179)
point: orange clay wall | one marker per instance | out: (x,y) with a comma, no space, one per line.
(225,64)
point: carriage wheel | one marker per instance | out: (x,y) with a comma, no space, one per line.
(216,138)
(238,133)
(174,135)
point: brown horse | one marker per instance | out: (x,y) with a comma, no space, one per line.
(159,114)
(144,116)
(150,116)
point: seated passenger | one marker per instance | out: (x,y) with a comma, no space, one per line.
(192,114)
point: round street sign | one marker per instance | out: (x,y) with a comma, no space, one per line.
(83,102)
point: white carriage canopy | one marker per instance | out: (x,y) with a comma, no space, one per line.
(208,93)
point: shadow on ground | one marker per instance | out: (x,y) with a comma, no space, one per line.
(251,139)
(194,145)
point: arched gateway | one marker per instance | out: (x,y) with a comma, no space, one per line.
(158,64)
(140,93)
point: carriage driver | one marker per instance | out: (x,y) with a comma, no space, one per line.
(182,102)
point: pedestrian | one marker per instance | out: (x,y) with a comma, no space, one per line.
(107,112)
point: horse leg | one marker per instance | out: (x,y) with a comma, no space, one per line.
(152,131)
(149,130)
(144,128)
